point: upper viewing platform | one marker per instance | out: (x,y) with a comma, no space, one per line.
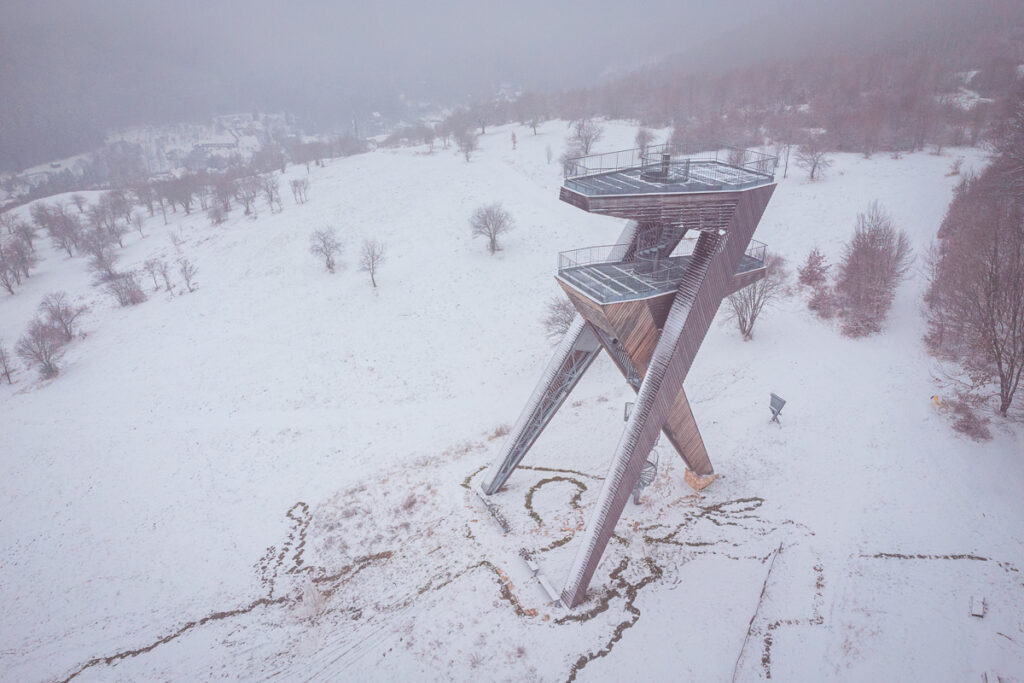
(658,170)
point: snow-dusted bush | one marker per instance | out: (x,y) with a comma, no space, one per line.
(61,313)
(874,262)
(126,289)
(814,272)
(41,345)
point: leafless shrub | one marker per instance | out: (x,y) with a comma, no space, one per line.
(747,304)
(556,321)
(490,221)
(61,313)
(41,345)
(217,214)
(126,289)
(188,272)
(824,302)
(955,167)
(874,262)
(5,362)
(968,422)
(324,243)
(177,239)
(371,257)
(814,272)
(79,201)
(499,431)
(410,502)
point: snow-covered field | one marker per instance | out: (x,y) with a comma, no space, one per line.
(271,477)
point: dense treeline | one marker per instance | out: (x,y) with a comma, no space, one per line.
(936,87)
(976,295)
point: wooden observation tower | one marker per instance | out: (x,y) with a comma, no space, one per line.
(648,301)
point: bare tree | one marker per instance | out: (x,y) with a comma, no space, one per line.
(61,314)
(644,138)
(27,232)
(271,188)
(137,220)
(126,289)
(814,272)
(300,190)
(560,313)
(747,304)
(467,142)
(874,262)
(99,246)
(79,201)
(585,134)
(164,269)
(490,221)
(188,272)
(325,244)
(41,345)
(813,158)
(247,189)
(20,256)
(152,267)
(371,257)
(8,222)
(8,277)
(5,362)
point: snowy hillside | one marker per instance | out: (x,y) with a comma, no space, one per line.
(272,477)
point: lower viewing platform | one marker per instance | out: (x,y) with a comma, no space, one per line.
(590,272)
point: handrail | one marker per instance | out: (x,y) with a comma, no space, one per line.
(750,160)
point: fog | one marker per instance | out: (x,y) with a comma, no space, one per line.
(71,69)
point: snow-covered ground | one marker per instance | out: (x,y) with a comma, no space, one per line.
(271,477)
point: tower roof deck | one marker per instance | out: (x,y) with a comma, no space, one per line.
(606,280)
(660,170)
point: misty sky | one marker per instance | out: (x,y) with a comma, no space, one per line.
(69,68)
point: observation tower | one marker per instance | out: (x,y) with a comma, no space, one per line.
(647,301)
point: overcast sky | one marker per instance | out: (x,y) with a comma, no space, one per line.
(102,63)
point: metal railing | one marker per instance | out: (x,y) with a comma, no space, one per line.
(653,160)
(589,255)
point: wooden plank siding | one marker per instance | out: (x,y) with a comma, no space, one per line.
(711,277)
